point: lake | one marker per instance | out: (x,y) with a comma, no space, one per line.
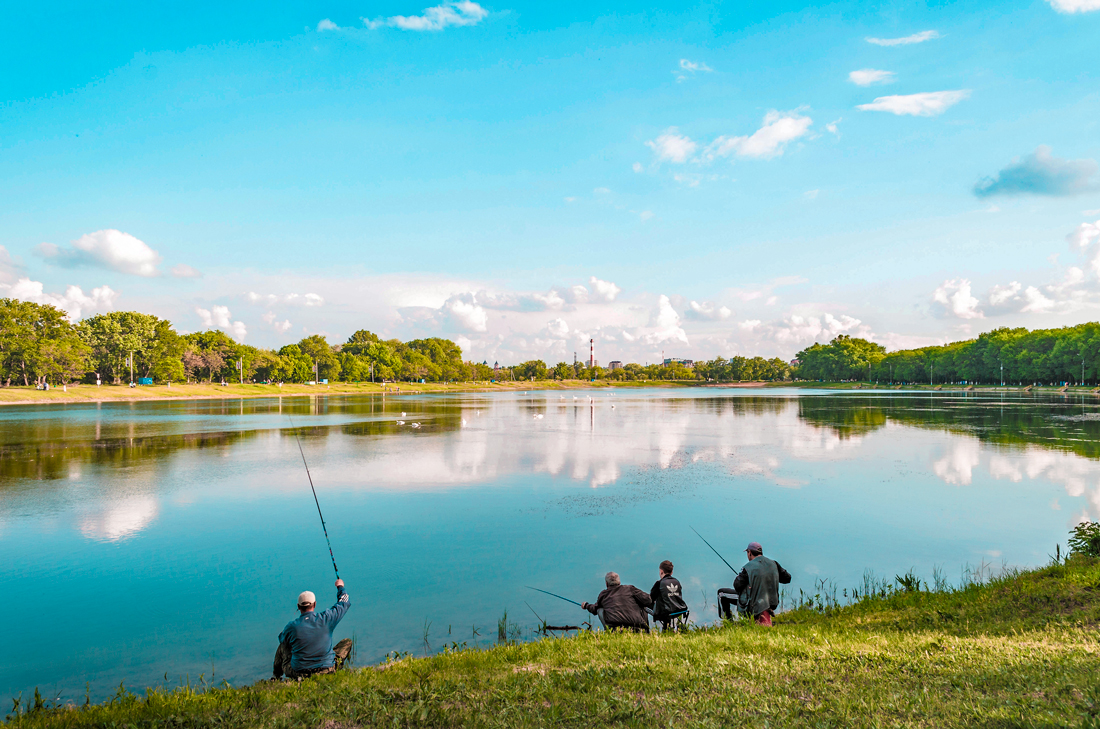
(140,541)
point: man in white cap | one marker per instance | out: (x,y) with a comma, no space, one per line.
(305,645)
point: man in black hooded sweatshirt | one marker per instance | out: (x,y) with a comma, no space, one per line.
(669,608)
(621,606)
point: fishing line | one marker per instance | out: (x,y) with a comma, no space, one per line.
(323,527)
(711,548)
(553,595)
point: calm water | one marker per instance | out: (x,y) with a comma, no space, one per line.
(143,539)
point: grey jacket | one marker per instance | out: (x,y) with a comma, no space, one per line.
(758,585)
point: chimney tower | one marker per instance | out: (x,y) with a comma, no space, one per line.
(591,353)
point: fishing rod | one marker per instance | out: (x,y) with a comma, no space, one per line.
(311,488)
(711,548)
(553,595)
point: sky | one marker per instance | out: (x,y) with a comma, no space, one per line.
(669,181)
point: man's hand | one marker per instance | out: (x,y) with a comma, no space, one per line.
(339,582)
(584,605)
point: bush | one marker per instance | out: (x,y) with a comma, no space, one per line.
(1085,539)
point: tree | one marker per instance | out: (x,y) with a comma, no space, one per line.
(317,349)
(113,337)
(532,369)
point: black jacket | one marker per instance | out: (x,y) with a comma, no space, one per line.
(622,607)
(668,597)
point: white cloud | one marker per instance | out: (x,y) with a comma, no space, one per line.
(811,194)
(637,167)
(871,76)
(282,327)
(665,324)
(706,311)
(1035,301)
(110,249)
(1001,295)
(778,130)
(185,271)
(1041,173)
(1075,6)
(327,24)
(466,314)
(924,35)
(930,103)
(645,215)
(219,317)
(831,127)
(955,298)
(557,329)
(671,146)
(285,299)
(74,301)
(692,66)
(435,18)
(604,290)
(749,325)
(797,329)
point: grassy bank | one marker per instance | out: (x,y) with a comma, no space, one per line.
(1019,650)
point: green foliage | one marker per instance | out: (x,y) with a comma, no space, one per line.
(39,345)
(1085,539)
(844,358)
(533,369)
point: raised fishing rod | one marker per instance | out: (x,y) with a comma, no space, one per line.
(711,548)
(323,527)
(553,595)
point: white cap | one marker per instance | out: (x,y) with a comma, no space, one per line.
(307,598)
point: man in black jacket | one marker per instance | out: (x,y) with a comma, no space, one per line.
(621,606)
(669,608)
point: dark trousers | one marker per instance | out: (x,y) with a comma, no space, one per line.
(673,622)
(281,666)
(727,599)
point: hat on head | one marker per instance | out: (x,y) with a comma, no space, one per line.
(754,547)
(306,598)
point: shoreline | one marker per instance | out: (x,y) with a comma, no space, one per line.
(23,395)
(1014,649)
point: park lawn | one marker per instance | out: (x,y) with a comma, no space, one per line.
(1020,650)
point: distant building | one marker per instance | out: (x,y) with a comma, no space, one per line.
(795,362)
(614,365)
(679,360)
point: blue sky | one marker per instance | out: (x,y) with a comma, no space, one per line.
(714,180)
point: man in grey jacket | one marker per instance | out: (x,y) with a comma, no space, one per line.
(756,588)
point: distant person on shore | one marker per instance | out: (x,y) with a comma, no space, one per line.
(305,645)
(621,607)
(756,589)
(669,608)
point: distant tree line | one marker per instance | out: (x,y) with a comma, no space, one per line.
(1049,356)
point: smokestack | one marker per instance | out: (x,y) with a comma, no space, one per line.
(591,353)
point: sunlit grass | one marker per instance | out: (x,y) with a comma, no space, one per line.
(1020,649)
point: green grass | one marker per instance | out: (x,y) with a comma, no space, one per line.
(1018,650)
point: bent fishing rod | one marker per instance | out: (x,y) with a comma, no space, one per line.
(311,488)
(711,548)
(553,595)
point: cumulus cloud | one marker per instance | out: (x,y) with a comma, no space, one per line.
(930,103)
(777,131)
(327,24)
(706,311)
(870,77)
(671,146)
(110,249)
(604,290)
(690,68)
(185,271)
(956,299)
(557,329)
(749,325)
(435,18)
(279,326)
(924,35)
(73,302)
(285,299)
(465,314)
(664,326)
(1041,173)
(797,329)
(1075,6)
(219,317)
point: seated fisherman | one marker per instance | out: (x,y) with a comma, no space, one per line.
(305,645)
(621,606)
(669,608)
(756,589)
